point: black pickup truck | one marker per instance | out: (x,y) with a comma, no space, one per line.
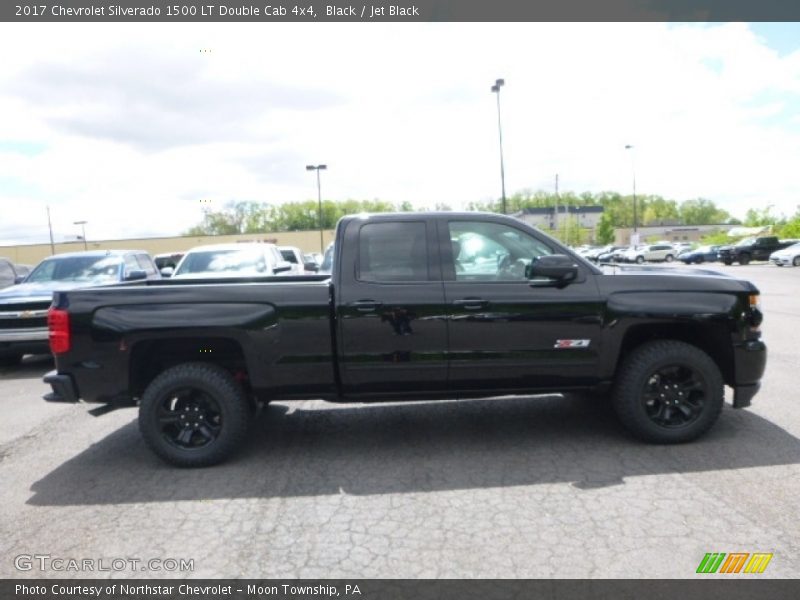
(418,306)
(752,249)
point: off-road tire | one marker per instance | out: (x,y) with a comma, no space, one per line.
(216,396)
(632,396)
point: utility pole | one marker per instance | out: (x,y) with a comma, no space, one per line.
(50,228)
(555,208)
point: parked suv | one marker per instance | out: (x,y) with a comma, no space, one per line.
(10,273)
(23,307)
(655,252)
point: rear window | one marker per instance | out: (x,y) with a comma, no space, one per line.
(389,252)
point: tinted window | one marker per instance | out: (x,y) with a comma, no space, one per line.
(393,252)
(288,255)
(146,264)
(246,261)
(492,251)
(94,269)
(6,274)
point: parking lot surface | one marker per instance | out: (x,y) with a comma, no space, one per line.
(509,488)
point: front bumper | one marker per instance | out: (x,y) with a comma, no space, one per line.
(750,361)
(64,389)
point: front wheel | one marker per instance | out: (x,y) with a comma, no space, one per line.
(669,258)
(668,392)
(639,260)
(796,261)
(744,259)
(194,415)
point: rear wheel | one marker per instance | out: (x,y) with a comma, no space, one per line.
(668,392)
(194,415)
(639,260)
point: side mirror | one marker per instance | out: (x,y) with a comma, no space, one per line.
(311,266)
(167,271)
(135,275)
(557,269)
(19,279)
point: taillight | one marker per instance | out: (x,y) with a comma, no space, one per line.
(58,325)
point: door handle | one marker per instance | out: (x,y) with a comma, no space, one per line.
(366,305)
(471,303)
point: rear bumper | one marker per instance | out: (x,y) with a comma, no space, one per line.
(63,387)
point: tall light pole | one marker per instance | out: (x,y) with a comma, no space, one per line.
(496,89)
(319,168)
(633,172)
(83,232)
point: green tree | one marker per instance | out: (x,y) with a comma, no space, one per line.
(604,234)
(702,212)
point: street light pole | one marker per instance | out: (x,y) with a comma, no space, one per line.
(83,232)
(319,168)
(496,89)
(633,171)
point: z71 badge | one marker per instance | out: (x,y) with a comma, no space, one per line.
(572,343)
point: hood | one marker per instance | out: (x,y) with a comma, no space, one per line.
(663,271)
(656,279)
(37,291)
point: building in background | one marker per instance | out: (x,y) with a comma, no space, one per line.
(547,219)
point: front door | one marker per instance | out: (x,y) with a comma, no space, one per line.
(508,333)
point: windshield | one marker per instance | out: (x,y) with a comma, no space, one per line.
(746,241)
(245,261)
(90,269)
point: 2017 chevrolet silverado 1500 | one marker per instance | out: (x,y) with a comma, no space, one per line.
(439,305)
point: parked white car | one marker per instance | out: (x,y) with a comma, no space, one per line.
(789,256)
(651,253)
(294,256)
(231,260)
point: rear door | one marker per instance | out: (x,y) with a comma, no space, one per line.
(390,308)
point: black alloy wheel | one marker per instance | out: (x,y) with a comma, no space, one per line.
(674,396)
(194,415)
(668,391)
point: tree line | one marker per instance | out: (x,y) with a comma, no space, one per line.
(261,217)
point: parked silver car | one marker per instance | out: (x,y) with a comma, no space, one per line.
(650,253)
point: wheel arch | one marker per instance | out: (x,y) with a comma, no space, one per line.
(710,337)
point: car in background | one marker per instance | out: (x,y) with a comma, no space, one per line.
(166,263)
(700,255)
(650,253)
(232,260)
(326,266)
(787,257)
(10,273)
(23,307)
(613,255)
(595,254)
(295,256)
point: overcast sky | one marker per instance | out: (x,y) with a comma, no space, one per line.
(136,127)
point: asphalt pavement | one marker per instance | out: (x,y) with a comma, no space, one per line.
(533,487)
